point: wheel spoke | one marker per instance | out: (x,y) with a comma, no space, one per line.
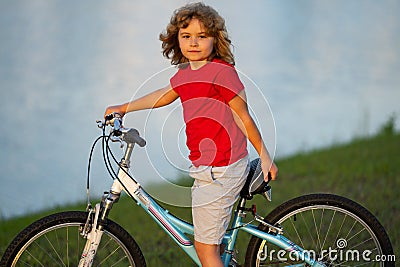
(309,232)
(54,249)
(297,233)
(45,251)
(36,260)
(329,228)
(316,231)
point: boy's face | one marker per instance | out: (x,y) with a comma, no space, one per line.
(194,43)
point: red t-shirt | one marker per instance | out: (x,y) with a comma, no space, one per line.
(213,137)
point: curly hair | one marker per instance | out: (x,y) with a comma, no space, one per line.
(215,27)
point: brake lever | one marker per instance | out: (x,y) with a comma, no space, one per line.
(100,124)
(116,139)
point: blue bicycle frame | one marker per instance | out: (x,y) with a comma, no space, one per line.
(177,228)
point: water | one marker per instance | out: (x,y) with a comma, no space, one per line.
(329,71)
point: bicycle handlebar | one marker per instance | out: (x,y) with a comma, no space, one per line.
(129,135)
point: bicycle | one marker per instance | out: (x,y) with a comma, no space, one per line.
(299,232)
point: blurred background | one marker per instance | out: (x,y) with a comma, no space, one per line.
(317,72)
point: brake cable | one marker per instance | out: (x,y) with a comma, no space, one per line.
(106,151)
(89,205)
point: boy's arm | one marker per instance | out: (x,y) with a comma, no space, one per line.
(246,123)
(156,99)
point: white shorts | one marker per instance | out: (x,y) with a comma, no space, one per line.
(214,192)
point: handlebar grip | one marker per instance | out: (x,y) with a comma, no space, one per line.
(132,136)
(269,177)
(109,117)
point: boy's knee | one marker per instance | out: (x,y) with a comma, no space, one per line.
(208,254)
(206,247)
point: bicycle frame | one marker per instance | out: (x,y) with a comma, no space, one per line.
(177,228)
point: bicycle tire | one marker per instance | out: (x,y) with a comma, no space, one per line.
(55,241)
(319,222)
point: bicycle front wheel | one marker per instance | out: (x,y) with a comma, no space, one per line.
(55,240)
(332,229)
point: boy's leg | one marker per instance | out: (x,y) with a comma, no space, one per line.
(209,255)
(214,192)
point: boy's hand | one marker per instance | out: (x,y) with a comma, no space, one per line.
(269,167)
(120,109)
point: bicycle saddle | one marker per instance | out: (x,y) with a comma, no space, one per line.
(255,183)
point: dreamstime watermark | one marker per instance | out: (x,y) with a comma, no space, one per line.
(337,254)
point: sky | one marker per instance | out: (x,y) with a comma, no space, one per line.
(316,72)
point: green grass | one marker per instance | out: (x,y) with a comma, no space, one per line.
(365,170)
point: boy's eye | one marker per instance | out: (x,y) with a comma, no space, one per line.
(187,36)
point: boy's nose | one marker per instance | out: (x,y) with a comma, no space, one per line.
(194,41)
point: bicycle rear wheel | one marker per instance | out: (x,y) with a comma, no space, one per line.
(55,240)
(332,229)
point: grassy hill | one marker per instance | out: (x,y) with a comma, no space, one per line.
(366,170)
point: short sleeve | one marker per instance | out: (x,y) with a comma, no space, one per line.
(174,82)
(228,83)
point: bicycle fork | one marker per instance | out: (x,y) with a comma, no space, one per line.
(93,228)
